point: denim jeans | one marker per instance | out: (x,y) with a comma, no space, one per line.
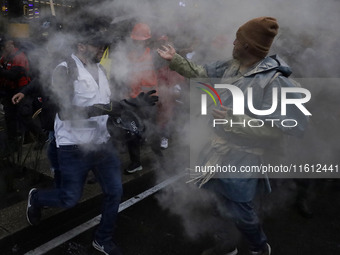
(74,165)
(243,215)
(247,222)
(52,154)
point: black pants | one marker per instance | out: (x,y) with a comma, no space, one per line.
(134,146)
(19,117)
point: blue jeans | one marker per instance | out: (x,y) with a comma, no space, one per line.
(52,154)
(247,222)
(243,215)
(74,165)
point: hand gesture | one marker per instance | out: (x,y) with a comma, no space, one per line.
(17,98)
(167,52)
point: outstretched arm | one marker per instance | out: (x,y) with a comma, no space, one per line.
(181,65)
(112,109)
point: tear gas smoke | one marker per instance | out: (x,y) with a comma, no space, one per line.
(308,40)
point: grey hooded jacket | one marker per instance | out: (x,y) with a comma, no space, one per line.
(244,146)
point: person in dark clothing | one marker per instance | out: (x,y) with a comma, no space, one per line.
(14,69)
(36,89)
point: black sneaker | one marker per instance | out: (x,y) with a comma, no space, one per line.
(266,251)
(108,248)
(134,167)
(33,213)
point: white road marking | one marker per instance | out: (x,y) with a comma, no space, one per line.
(95,221)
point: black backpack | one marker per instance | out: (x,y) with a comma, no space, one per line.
(49,107)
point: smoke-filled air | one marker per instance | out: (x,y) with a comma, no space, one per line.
(308,40)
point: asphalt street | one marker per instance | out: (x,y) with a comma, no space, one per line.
(147,228)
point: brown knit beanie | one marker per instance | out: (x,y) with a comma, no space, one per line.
(258,33)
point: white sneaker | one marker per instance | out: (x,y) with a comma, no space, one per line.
(109,248)
(164,142)
(267,251)
(134,167)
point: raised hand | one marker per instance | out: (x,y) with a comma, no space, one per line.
(167,52)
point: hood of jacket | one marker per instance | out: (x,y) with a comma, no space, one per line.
(269,63)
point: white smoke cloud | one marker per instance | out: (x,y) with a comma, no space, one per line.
(308,40)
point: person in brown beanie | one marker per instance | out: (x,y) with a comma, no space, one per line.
(258,35)
(237,145)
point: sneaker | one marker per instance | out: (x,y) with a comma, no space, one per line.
(219,251)
(108,248)
(134,167)
(164,142)
(33,213)
(266,251)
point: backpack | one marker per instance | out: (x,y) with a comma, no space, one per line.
(49,108)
